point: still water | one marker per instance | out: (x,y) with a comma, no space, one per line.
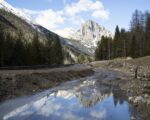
(84,99)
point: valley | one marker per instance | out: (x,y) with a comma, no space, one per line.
(66,65)
(114,73)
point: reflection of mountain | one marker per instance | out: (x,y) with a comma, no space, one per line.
(90,94)
(63,104)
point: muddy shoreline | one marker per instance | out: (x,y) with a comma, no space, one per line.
(15,83)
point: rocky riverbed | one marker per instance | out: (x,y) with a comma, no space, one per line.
(138,88)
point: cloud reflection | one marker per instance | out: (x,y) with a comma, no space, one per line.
(86,100)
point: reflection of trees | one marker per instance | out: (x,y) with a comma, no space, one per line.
(91,94)
(118,96)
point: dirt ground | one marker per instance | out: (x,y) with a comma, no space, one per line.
(14,83)
(138,89)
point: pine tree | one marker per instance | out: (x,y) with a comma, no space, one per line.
(117,43)
(104,49)
(133,47)
(8,49)
(123,44)
(1,47)
(18,53)
(137,29)
(57,52)
(36,51)
(147,34)
(98,52)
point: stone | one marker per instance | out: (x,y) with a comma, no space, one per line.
(138,99)
(146,95)
(145,79)
(133,118)
(148,102)
(130,99)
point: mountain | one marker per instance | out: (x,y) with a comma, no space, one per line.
(17,21)
(7,7)
(81,42)
(89,34)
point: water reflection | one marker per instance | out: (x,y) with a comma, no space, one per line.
(85,101)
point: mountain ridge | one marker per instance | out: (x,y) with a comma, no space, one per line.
(89,34)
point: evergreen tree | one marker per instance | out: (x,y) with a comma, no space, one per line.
(147,34)
(1,47)
(123,43)
(98,52)
(133,48)
(104,49)
(57,52)
(134,43)
(117,43)
(8,49)
(36,50)
(18,55)
(137,29)
(48,50)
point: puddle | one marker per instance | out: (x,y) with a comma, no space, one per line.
(84,100)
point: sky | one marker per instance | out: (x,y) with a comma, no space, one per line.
(62,16)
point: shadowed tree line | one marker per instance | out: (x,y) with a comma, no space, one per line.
(134,43)
(16,51)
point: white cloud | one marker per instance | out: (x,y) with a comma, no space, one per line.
(97,5)
(104,15)
(80,6)
(49,18)
(72,14)
(97,9)
(65,32)
(76,20)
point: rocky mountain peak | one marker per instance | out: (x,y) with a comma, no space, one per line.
(90,33)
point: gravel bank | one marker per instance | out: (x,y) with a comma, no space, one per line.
(14,83)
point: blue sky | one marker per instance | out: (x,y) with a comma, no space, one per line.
(62,15)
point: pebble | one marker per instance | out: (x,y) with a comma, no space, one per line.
(138,99)
(148,102)
(146,95)
(133,118)
(130,99)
